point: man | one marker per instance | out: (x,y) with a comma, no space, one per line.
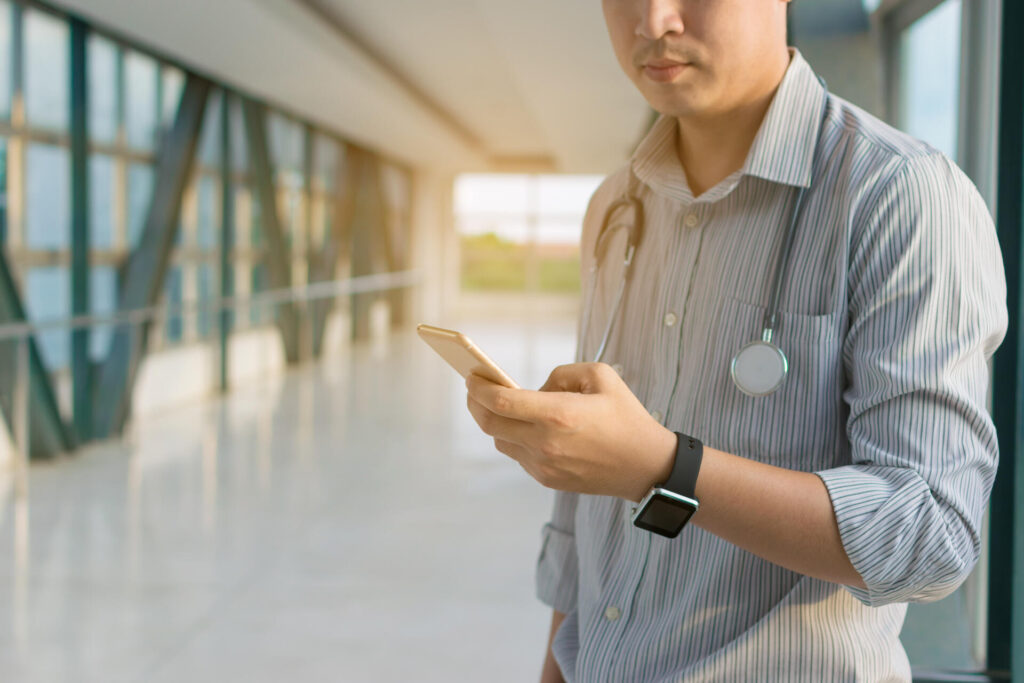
(824,507)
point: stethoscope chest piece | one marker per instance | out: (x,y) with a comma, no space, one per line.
(759,368)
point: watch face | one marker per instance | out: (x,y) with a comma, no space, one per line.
(665,513)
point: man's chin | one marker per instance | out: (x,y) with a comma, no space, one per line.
(675,99)
(680,108)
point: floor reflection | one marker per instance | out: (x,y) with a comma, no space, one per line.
(344,522)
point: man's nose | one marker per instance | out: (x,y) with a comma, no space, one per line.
(659,18)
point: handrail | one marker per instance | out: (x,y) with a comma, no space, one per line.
(378,282)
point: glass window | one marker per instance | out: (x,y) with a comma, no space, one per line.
(5,59)
(397,187)
(174,83)
(3,190)
(209,139)
(929,80)
(243,214)
(101,201)
(520,231)
(205,285)
(326,159)
(260,283)
(102,300)
(140,192)
(256,240)
(320,222)
(102,89)
(286,153)
(140,87)
(174,325)
(286,143)
(209,202)
(46,70)
(47,197)
(289,208)
(47,297)
(239,146)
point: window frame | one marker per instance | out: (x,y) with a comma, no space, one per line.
(984,109)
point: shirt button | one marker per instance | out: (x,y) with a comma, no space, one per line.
(692,220)
(656,415)
(670,319)
(612,613)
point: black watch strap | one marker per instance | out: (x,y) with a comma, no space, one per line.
(683,480)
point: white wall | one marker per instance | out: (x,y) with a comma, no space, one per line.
(434,246)
(851,66)
(186,373)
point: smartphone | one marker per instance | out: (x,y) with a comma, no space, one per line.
(463,355)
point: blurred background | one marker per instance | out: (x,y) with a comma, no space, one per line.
(224,455)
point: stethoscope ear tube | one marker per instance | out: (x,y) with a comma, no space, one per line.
(634,228)
(629,203)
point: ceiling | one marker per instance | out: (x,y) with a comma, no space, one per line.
(534,80)
(449,84)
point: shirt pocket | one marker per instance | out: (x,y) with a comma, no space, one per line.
(800,425)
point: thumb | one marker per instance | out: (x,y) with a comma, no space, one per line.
(578,378)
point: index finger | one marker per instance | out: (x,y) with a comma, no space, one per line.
(518,404)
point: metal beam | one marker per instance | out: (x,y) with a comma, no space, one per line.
(227,238)
(396,247)
(1006,535)
(317,260)
(309,308)
(81,366)
(146,267)
(366,232)
(48,435)
(278,252)
(336,246)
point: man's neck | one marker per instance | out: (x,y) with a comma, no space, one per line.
(713,148)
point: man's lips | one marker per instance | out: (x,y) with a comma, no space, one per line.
(663,70)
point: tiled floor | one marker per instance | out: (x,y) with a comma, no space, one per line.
(346,522)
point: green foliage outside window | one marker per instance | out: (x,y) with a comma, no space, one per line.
(491,263)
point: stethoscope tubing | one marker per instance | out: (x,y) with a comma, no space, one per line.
(636,227)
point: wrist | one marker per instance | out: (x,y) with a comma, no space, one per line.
(663,457)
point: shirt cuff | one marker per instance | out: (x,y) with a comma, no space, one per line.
(557,575)
(880,511)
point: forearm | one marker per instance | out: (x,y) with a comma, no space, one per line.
(551,673)
(780,515)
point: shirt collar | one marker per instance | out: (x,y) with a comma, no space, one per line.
(782,152)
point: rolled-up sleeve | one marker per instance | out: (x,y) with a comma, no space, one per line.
(927,301)
(557,574)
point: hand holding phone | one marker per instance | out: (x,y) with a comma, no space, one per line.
(463,355)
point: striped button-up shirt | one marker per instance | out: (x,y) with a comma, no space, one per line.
(893,302)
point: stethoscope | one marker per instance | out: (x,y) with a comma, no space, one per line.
(760,367)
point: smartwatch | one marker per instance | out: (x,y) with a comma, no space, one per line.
(668,507)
